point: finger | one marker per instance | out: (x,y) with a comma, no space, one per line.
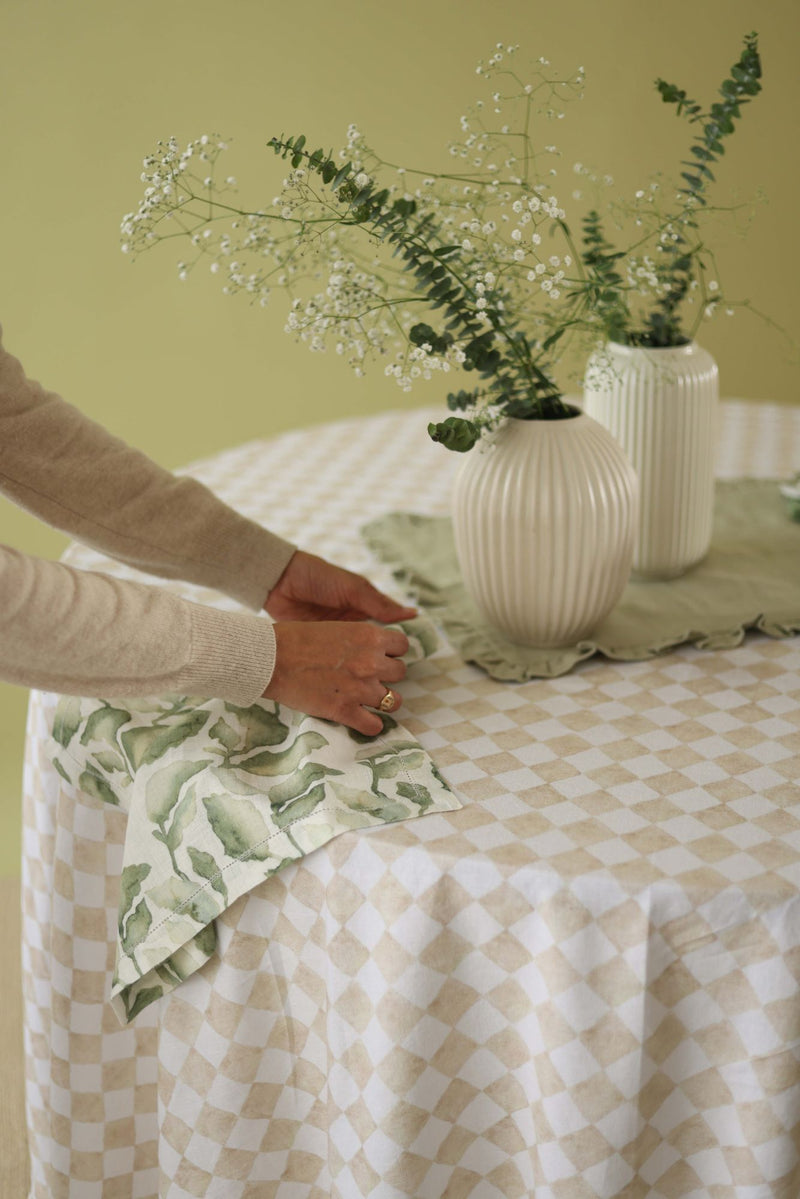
(384,699)
(392,670)
(394,643)
(368,723)
(380,607)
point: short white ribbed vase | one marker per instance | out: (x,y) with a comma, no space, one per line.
(661,405)
(544,515)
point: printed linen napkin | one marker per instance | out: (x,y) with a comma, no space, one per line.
(221,797)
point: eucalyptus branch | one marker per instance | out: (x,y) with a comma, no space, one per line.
(426,254)
(474,269)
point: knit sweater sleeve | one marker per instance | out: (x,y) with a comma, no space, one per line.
(74,474)
(81,633)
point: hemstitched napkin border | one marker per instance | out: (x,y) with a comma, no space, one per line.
(220,798)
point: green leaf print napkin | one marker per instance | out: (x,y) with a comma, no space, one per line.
(219,798)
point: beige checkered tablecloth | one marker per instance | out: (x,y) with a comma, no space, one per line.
(585,984)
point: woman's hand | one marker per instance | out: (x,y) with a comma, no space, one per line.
(337,670)
(329,662)
(312,589)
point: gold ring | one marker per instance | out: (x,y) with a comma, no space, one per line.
(387,703)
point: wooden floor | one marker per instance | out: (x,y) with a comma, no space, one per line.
(13,1142)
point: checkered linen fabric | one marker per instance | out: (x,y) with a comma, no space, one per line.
(582,985)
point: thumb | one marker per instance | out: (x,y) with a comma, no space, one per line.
(377,606)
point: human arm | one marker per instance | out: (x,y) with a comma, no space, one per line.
(82,633)
(74,474)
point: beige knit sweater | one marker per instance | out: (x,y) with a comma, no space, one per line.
(83,633)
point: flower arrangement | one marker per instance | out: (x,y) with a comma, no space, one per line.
(475,269)
(667,261)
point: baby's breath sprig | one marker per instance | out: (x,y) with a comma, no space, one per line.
(429,271)
(490,341)
(471,269)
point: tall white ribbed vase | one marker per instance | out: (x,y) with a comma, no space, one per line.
(661,405)
(544,514)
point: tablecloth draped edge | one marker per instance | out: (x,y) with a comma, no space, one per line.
(167,966)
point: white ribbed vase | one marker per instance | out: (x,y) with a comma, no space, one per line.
(661,405)
(544,514)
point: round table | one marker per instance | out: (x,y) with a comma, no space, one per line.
(582,985)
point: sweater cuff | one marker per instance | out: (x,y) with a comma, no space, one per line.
(263,558)
(232,655)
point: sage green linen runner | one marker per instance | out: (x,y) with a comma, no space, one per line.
(220,798)
(749,580)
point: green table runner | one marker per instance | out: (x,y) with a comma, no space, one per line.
(749,580)
(219,798)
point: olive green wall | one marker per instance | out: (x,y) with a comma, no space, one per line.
(88,86)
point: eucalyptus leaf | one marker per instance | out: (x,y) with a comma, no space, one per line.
(476,285)
(455,433)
